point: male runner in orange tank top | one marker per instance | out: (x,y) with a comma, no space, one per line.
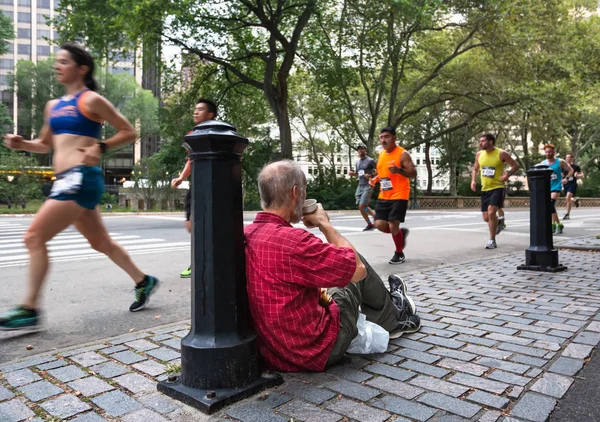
(395,168)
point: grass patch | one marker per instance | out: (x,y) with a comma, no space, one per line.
(173,369)
(31,208)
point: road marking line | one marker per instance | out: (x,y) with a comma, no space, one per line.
(72,242)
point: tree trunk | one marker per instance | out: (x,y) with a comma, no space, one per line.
(427,147)
(453,190)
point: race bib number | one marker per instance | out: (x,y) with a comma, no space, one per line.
(488,171)
(386,184)
(361,173)
(571,179)
(554,176)
(67,183)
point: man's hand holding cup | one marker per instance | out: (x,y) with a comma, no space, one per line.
(313,214)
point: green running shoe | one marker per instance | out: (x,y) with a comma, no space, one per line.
(143,291)
(187,273)
(559,229)
(19,318)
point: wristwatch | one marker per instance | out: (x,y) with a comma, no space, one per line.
(103,147)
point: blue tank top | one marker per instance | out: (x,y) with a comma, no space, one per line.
(73,118)
(556,177)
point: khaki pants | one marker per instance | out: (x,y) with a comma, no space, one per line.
(373,299)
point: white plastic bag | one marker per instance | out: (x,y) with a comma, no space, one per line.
(371,338)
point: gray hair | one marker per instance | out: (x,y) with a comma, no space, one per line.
(276,181)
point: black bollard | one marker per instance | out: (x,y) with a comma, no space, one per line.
(541,255)
(219,356)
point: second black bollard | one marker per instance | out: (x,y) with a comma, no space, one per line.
(219,356)
(540,255)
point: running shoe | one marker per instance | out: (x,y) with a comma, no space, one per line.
(398,258)
(405,234)
(412,324)
(553,228)
(19,318)
(143,291)
(559,228)
(187,273)
(501,226)
(491,244)
(369,228)
(577,203)
(566,217)
(399,296)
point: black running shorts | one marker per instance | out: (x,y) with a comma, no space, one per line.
(391,210)
(493,197)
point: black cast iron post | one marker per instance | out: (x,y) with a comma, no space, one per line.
(541,255)
(219,356)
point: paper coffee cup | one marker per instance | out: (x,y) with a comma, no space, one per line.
(309,206)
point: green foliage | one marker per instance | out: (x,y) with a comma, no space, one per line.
(7,33)
(108,198)
(336,194)
(256,155)
(17,182)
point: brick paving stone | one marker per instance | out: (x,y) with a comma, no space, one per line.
(457,365)
(487,321)
(308,413)
(455,354)
(164,354)
(416,355)
(524,350)
(576,323)
(14,411)
(67,373)
(357,411)
(454,321)
(349,373)
(444,342)
(588,337)
(88,359)
(553,385)
(594,326)
(541,317)
(411,344)
(434,371)
(543,337)
(136,383)
(479,383)
(545,345)
(161,337)
(21,377)
(433,324)
(114,349)
(116,403)
(254,413)
(143,415)
(273,399)
(130,337)
(556,326)
(175,343)
(504,365)
(65,406)
(128,357)
(405,408)
(489,400)
(491,416)
(533,373)
(171,330)
(528,360)
(479,314)
(477,340)
(566,366)
(90,386)
(318,378)
(533,407)
(560,333)
(510,339)
(396,388)
(437,332)
(316,395)
(150,367)
(52,365)
(40,390)
(385,358)
(515,319)
(430,317)
(81,350)
(181,333)
(390,371)
(89,417)
(109,369)
(159,403)
(495,329)
(5,393)
(15,366)
(526,328)
(486,351)
(466,331)
(352,389)
(439,386)
(577,351)
(142,345)
(450,404)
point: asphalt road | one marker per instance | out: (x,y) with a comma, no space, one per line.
(86,297)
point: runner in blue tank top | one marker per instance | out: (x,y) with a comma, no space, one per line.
(72,130)
(556,181)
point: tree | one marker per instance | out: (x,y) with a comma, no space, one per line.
(18,183)
(152,183)
(6,34)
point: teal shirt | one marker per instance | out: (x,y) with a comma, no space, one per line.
(556,178)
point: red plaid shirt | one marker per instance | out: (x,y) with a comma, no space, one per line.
(285,269)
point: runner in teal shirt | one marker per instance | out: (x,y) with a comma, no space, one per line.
(556,181)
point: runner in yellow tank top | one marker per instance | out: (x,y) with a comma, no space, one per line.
(394,169)
(490,162)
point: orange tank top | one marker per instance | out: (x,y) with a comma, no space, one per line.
(392,186)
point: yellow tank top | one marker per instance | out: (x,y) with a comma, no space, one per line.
(392,186)
(490,170)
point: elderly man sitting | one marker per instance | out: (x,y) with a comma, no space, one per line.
(286,269)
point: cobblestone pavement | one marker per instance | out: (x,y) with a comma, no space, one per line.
(580,243)
(496,344)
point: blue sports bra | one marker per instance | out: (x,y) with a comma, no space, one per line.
(73,118)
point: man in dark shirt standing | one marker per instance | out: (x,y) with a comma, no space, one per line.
(363,169)
(570,187)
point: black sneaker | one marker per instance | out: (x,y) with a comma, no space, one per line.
(143,291)
(405,234)
(369,228)
(398,258)
(399,296)
(566,217)
(577,203)
(412,324)
(501,226)
(19,318)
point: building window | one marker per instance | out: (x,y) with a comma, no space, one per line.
(6,2)
(338,171)
(4,80)
(24,17)
(310,171)
(43,50)
(24,3)
(24,49)
(23,33)
(320,159)
(8,14)
(43,4)
(43,33)
(41,19)
(7,64)
(345,171)
(418,161)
